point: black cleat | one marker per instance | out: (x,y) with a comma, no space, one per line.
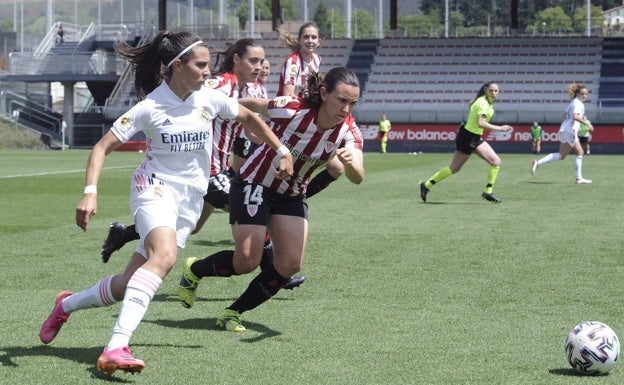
(423,191)
(491,197)
(293,282)
(114,241)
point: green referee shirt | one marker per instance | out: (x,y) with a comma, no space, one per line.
(481,106)
(384,125)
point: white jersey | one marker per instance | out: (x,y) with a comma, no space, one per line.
(293,122)
(569,125)
(178,133)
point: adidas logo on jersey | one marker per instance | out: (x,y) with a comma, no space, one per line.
(167,122)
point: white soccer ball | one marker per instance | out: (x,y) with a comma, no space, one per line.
(592,348)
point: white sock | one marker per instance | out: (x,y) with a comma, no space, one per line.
(549,158)
(139,292)
(98,295)
(578,166)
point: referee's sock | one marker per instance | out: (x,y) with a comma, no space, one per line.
(439,176)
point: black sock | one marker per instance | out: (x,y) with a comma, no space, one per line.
(263,287)
(318,183)
(130,234)
(220,264)
(267,255)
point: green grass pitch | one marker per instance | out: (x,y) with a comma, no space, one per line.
(454,291)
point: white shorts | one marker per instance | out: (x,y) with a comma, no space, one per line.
(568,137)
(156,203)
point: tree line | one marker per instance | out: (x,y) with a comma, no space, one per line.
(466,18)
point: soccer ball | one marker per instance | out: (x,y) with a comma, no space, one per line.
(592,348)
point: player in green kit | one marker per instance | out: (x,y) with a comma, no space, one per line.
(384,128)
(536,136)
(584,136)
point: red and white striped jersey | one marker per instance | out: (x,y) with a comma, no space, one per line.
(295,71)
(294,122)
(226,130)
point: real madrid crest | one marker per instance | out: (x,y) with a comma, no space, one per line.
(204,114)
(158,193)
(211,83)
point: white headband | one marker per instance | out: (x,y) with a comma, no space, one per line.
(185,50)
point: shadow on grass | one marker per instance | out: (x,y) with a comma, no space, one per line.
(572,373)
(456,203)
(542,182)
(228,243)
(78,355)
(211,324)
(174,298)
(87,356)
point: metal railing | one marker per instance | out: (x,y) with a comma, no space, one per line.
(75,63)
(35,116)
(122,98)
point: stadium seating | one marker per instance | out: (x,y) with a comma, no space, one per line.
(333,53)
(429,75)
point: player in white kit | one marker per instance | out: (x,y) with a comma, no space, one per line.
(568,133)
(236,75)
(175,113)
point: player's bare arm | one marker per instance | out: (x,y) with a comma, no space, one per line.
(353,161)
(87,207)
(257,105)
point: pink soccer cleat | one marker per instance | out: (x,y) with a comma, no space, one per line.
(54,323)
(119,359)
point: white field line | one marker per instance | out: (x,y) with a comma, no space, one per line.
(60,172)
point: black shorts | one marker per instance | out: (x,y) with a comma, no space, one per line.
(583,139)
(218,194)
(253,204)
(243,147)
(467,141)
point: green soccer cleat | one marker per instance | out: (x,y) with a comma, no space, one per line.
(230,320)
(188,284)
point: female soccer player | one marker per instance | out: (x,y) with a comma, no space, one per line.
(302,61)
(237,70)
(568,133)
(536,137)
(469,140)
(316,129)
(175,112)
(264,77)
